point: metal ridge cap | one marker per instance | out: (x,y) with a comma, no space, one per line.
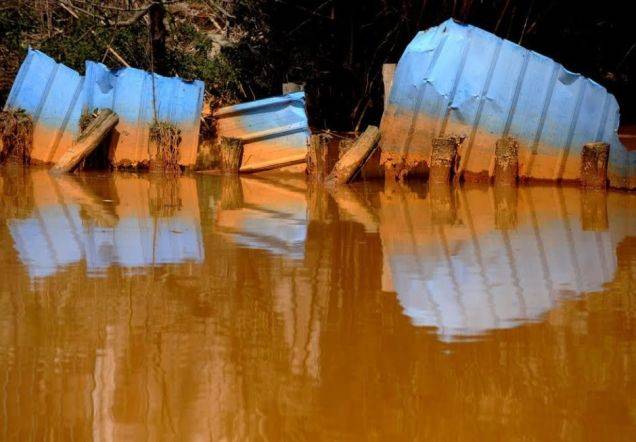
(258,104)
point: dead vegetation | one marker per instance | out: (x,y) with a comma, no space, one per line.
(16,136)
(165,139)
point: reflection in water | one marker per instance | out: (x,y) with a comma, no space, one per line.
(508,259)
(260,214)
(117,220)
(282,311)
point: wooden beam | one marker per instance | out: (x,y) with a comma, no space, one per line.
(355,158)
(88,141)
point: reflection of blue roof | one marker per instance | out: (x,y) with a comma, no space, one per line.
(496,280)
(277,232)
(56,238)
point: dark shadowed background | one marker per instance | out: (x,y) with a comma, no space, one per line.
(245,49)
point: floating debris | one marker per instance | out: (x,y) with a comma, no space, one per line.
(460,79)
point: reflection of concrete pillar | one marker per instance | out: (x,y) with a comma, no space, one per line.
(443,209)
(594,159)
(594,210)
(505,207)
(320,205)
(231,192)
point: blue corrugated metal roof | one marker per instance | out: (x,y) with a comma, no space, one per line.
(460,79)
(56,95)
(273,129)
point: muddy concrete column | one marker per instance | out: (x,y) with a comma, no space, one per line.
(231,150)
(594,158)
(443,159)
(322,155)
(506,161)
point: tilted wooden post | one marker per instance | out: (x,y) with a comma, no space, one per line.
(388,72)
(506,161)
(231,150)
(443,159)
(88,141)
(346,168)
(594,159)
(321,157)
(344,145)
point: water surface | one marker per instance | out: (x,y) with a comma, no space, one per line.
(138,307)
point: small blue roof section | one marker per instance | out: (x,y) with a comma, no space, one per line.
(55,96)
(272,129)
(459,79)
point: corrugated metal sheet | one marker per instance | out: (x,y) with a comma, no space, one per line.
(460,79)
(56,95)
(273,129)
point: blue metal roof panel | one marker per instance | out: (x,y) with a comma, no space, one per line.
(460,79)
(55,96)
(272,129)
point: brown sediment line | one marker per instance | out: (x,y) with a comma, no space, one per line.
(400,143)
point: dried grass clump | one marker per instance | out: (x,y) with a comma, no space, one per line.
(167,138)
(16,136)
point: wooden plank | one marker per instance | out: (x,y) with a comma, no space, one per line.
(388,72)
(88,141)
(354,159)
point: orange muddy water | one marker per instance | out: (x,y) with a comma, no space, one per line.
(216,308)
